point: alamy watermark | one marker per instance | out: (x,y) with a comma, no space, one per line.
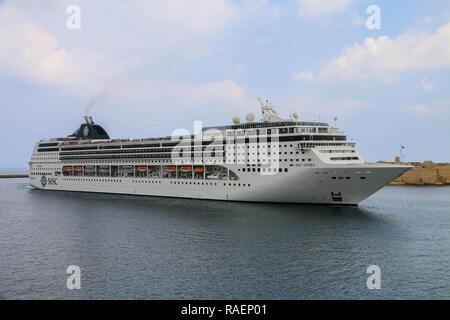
(258,147)
(74,280)
(373,22)
(374,280)
(73,21)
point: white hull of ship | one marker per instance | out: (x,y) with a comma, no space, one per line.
(301,185)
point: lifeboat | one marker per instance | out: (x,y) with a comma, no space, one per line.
(199,170)
(170,168)
(78,168)
(69,168)
(186,168)
(127,168)
(142,168)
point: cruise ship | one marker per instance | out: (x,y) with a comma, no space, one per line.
(275,159)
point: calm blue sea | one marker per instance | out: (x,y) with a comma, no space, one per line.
(160,248)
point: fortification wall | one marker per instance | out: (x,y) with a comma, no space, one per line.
(426,173)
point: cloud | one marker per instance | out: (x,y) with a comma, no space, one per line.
(82,63)
(239,70)
(180,95)
(199,16)
(29,52)
(303,76)
(317,8)
(313,105)
(211,92)
(440,107)
(384,57)
(351,104)
(418,109)
(358,21)
(444,102)
(424,84)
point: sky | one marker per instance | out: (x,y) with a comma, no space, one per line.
(150,67)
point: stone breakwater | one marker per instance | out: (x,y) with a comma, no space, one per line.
(9,176)
(424,173)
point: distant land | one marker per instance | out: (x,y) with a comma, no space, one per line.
(423,173)
(10,176)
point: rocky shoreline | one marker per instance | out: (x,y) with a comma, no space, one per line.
(423,174)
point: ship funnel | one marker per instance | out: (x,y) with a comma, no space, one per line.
(90,119)
(86,119)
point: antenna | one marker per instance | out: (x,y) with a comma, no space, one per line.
(260,102)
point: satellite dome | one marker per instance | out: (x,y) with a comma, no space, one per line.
(295,115)
(250,117)
(236,120)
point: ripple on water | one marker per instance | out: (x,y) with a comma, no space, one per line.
(149,247)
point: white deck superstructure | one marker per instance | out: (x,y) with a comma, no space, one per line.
(273,160)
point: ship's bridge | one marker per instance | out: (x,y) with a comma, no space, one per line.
(267,125)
